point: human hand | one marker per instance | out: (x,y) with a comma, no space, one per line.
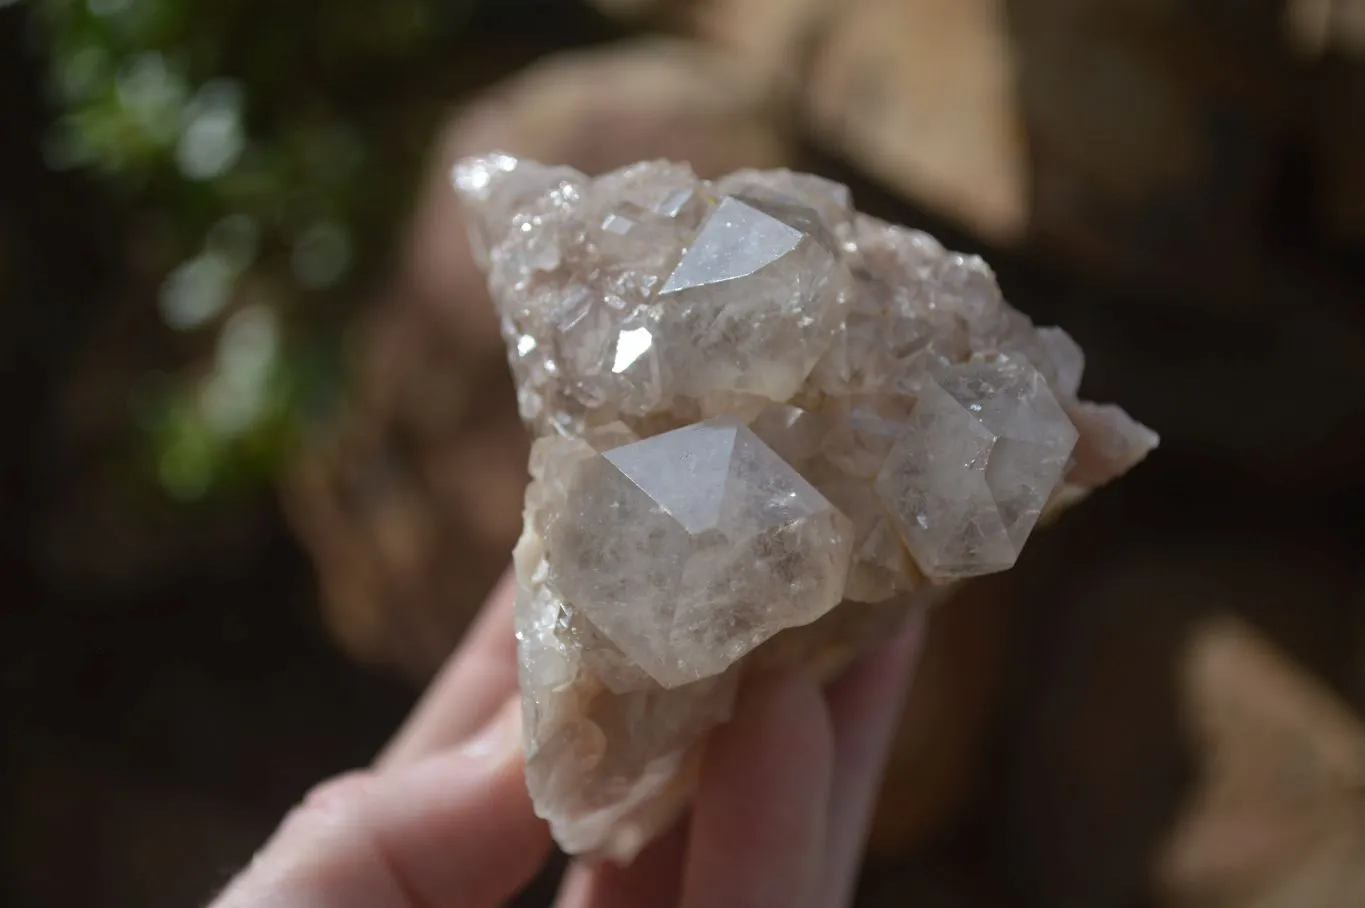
(443,819)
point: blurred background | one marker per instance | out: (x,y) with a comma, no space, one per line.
(264,463)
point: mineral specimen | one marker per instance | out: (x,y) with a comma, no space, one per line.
(767,426)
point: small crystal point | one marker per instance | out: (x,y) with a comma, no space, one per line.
(736,241)
(1112,443)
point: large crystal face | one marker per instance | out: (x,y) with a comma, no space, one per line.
(983,450)
(688,549)
(753,302)
(767,423)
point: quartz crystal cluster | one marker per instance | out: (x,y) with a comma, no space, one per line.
(767,425)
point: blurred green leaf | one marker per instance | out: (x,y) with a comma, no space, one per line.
(251,141)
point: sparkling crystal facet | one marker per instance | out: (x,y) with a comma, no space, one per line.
(752,303)
(688,549)
(984,448)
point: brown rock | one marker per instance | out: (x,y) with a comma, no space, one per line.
(774,39)
(921,95)
(601,109)
(410,509)
(1278,816)
(1097,765)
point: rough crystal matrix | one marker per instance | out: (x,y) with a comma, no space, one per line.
(767,426)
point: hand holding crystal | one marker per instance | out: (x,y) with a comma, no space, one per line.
(769,429)
(443,817)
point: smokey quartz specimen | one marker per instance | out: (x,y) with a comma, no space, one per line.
(769,425)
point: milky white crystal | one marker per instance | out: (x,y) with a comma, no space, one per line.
(769,425)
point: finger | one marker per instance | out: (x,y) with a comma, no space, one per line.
(865,708)
(475,680)
(757,833)
(653,878)
(456,829)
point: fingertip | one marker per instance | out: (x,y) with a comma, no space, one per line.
(463,823)
(781,729)
(884,671)
(865,707)
(758,823)
(773,706)
(477,677)
(458,826)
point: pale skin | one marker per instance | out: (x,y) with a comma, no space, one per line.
(442,818)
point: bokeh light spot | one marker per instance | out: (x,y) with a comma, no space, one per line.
(322,255)
(197,291)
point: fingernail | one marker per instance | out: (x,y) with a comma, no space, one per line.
(499,739)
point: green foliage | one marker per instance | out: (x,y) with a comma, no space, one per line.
(257,145)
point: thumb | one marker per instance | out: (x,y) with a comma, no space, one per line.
(455,829)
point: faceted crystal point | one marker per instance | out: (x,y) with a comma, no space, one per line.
(1111,443)
(738,240)
(984,448)
(753,404)
(831,201)
(753,302)
(688,549)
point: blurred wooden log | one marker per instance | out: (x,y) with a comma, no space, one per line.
(920,94)
(916,93)
(1278,819)
(1152,127)
(773,39)
(410,509)
(1097,766)
(607,107)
